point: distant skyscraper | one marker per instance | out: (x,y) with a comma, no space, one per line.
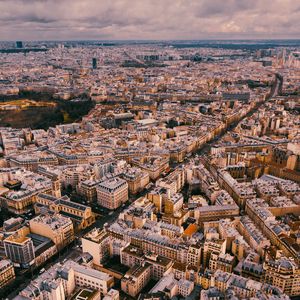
(19,44)
(94,63)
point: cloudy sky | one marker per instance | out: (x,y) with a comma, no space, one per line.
(148,19)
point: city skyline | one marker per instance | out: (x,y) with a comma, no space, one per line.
(148,20)
(149,149)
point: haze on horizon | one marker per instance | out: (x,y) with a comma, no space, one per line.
(148,19)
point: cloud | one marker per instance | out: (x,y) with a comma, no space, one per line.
(148,19)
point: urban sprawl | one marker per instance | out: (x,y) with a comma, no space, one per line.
(181,182)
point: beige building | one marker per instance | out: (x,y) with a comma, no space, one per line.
(283,273)
(139,212)
(112,295)
(112,193)
(132,256)
(185,287)
(223,262)
(88,189)
(243,288)
(153,165)
(194,255)
(174,181)
(215,212)
(165,201)
(212,246)
(81,215)
(137,179)
(32,162)
(19,249)
(19,189)
(136,279)
(62,280)
(7,272)
(57,228)
(88,277)
(97,243)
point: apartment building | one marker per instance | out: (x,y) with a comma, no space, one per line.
(7,272)
(62,280)
(136,279)
(132,256)
(97,243)
(56,227)
(32,161)
(283,273)
(153,165)
(88,189)
(20,250)
(81,215)
(244,288)
(112,193)
(21,187)
(136,178)
(185,287)
(173,182)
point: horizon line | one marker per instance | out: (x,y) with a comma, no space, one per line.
(155,40)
